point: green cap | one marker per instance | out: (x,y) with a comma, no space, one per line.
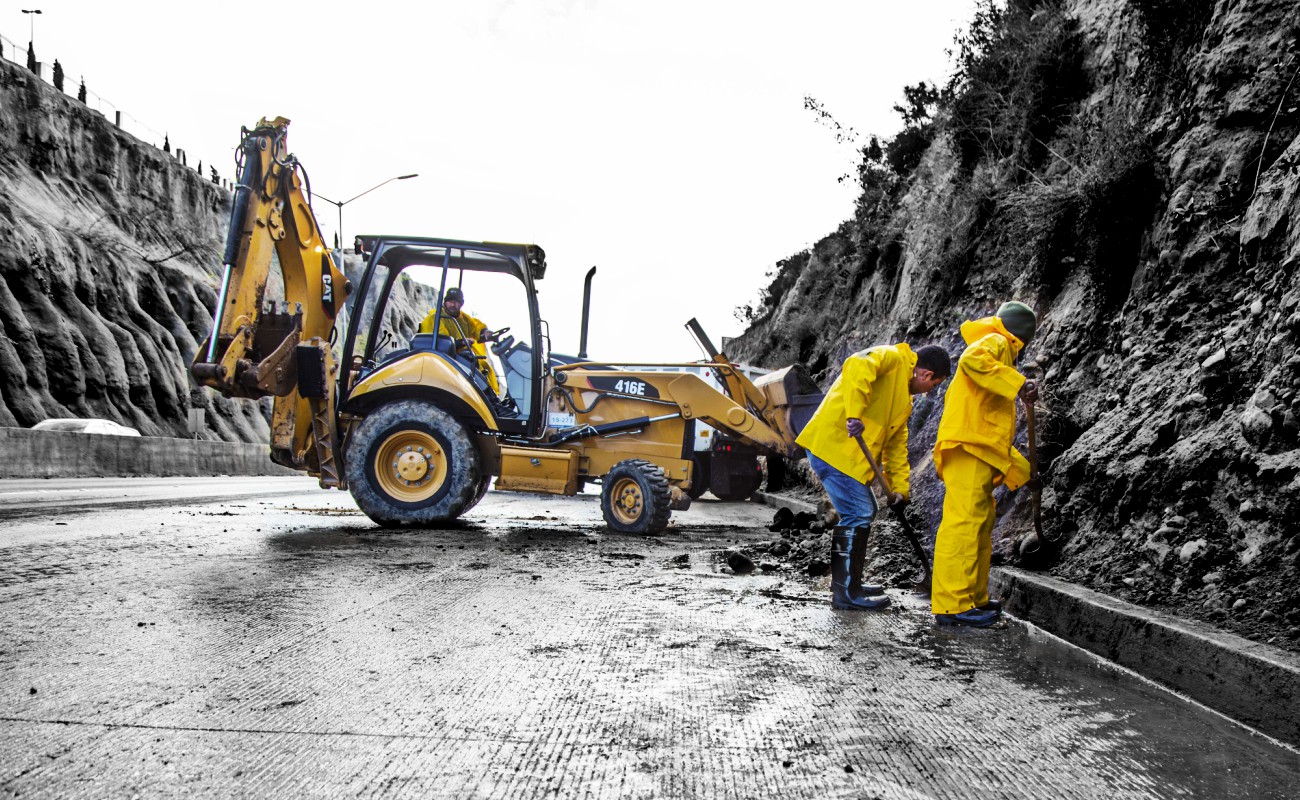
(1019,319)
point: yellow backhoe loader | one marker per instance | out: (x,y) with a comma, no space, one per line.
(405,420)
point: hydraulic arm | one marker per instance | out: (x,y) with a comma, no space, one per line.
(261,347)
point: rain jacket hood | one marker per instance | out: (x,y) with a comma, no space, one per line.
(974,330)
(979,414)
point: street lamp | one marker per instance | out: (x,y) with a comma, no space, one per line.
(31,33)
(340,205)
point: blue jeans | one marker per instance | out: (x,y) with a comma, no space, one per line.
(851,497)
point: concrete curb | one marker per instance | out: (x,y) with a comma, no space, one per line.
(778,501)
(25,453)
(1252,683)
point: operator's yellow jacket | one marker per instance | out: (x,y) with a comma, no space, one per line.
(872,387)
(979,412)
(464,327)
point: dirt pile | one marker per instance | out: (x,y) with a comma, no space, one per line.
(1131,170)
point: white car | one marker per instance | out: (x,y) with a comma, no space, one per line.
(102,426)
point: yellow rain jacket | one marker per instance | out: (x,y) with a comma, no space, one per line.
(873,388)
(979,413)
(464,327)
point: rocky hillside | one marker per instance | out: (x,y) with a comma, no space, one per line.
(1130,169)
(108,254)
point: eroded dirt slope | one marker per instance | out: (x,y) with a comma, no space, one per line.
(108,253)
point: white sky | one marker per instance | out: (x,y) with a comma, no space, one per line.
(664,142)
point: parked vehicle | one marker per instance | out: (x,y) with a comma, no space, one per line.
(101,426)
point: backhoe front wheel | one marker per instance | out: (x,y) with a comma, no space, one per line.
(410,462)
(635,497)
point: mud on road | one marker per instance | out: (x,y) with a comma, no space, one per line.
(281,645)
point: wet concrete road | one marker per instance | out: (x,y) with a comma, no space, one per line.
(258,637)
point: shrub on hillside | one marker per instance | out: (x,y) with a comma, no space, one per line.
(1020,73)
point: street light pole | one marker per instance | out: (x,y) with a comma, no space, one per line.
(31,16)
(339,204)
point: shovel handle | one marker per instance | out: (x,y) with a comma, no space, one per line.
(883,483)
(1033,471)
(878,474)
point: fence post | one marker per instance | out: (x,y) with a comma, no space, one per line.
(117,118)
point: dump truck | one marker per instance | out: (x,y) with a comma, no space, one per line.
(369,397)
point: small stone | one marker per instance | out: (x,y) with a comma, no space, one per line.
(1197,399)
(1189,551)
(1129,582)
(1165,531)
(1268,616)
(1177,522)
(1293,632)
(1257,307)
(769,566)
(1246,507)
(1264,399)
(1255,421)
(739,563)
(1211,578)
(32,690)
(1127,345)
(1239,604)
(1203,352)
(849,769)
(1239,296)
(1215,360)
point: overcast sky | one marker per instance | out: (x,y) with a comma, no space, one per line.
(664,142)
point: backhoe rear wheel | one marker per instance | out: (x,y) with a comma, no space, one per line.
(636,497)
(411,463)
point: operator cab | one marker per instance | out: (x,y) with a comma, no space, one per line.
(401,315)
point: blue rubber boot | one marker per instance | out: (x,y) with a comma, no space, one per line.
(992,605)
(843,540)
(973,618)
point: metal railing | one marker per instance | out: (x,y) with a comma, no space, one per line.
(13,53)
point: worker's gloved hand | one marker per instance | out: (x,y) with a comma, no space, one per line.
(897,502)
(1029,392)
(855,427)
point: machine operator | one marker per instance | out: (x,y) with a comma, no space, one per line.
(469,336)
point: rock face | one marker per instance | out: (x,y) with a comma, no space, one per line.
(1129,169)
(109,249)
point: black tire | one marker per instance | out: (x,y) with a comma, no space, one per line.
(737,495)
(418,441)
(700,480)
(635,497)
(482,489)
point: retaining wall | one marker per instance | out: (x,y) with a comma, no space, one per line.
(26,453)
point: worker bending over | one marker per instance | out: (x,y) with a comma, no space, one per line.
(972,455)
(468,335)
(871,398)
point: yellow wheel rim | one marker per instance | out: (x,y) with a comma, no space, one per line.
(629,502)
(410,466)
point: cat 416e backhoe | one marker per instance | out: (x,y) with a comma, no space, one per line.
(404,419)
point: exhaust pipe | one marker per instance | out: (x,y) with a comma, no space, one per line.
(586,312)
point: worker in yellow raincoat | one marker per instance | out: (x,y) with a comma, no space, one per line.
(972,455)
(468,335)
(871,398)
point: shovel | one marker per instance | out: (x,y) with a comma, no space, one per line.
(883,484)
(1034,541)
